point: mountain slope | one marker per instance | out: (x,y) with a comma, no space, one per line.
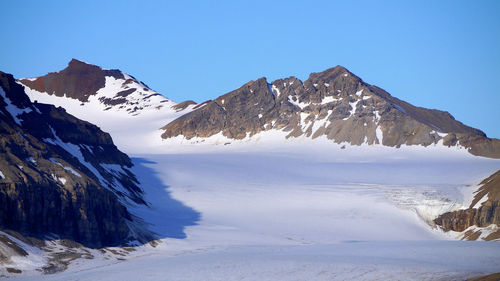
(334,103)
(61,176)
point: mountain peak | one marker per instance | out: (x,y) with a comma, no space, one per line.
(75,63)
(333,73)
(78,80)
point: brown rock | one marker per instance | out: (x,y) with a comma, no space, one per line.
(345,108)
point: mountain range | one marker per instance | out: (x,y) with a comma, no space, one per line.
(335,104)
(63,177)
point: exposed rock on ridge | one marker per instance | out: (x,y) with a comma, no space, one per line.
(334,103)
(79,80)
(486,214)
(60,175)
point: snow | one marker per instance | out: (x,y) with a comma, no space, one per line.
(67,168)
(275,89)
(117,121)
(2,176)
(34,260)
(304,212)
(12,109)
(62,180)
(377,116)
(301,105)
(353,109)
(481,201)
(380,134)
(329,99)
(260,115)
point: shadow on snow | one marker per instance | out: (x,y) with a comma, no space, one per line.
(165,216)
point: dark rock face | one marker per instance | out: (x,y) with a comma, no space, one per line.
(60,175)
(488,213)
(334,103)
(79,80)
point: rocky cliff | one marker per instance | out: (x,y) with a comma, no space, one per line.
(482,212)
(60,176)
(335,104)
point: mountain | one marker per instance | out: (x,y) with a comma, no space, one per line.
(91,85)
(61,177)
(482,218)
(334,104)
(115,101)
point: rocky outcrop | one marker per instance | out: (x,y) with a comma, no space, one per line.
(79,80)
(483,216)
(60,176)
(335,104)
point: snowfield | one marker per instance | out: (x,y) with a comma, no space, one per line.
(254,211)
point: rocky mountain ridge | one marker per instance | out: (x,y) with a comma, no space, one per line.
(60,176)
(335,104)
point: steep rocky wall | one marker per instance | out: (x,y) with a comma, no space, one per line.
(55,175)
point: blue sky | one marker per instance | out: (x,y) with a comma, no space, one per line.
(435,54)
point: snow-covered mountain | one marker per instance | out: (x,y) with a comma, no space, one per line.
(111,99)
(333,104)
(95,87)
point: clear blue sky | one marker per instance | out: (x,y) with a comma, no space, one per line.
(435,54)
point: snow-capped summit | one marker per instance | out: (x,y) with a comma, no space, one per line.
(113,100)
(93,86)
